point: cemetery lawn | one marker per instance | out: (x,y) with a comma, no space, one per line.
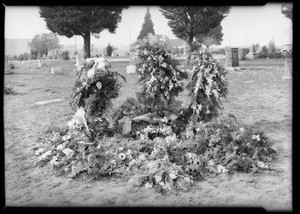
(257,97)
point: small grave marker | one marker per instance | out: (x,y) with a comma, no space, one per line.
(6,68)
(131,68)
(287,71)
(231,57)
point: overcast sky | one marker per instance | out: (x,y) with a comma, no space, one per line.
(244,25)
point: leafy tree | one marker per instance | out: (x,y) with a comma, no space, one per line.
(81,20)
(109,49)
(43,43)
(147,26)
(213,37)
(187,22)
(272,47)
(287,10)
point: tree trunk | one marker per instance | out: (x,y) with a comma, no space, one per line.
(189,50)
(87,45)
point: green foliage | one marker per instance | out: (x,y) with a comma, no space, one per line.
(65,55)
(207,86)
(147,26)
(83,21)
(287,10)
(20,57)
(164,163)
(43,43)
(94,89)
(213,37)
(109,49)
(263,53)
(159,75)
(187,22)
(272,47)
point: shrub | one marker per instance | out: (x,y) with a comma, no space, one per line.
(15,57)
(33,55)
(65,55)
(20,57)
(109,49)
(11,66)
(26,56)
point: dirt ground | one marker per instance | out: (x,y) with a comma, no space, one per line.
(257,97)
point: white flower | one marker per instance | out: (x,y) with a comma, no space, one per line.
(142,157)
(211,162)
(91,73)
(39,151)
(66,137)
(129,152)
(101,65)
(54,159)
(221,169)
(68,152)
(262,165)
(148,185)
(122,156)
(242,129)
(256,137)
(44,156)
(60,147)
(99,85)
(113,161)
(171,138)
(172,176)
(158,178)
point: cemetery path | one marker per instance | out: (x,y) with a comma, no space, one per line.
(264,104)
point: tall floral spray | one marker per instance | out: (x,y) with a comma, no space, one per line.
(207,86)
(159,74)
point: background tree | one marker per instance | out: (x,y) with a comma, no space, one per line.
(147,26)
(109,49)
(43,43)
(213,37)
(188,21)
(82,20)
(287,10)
(272,47)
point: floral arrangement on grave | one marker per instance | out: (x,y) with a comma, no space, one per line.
(159,74)
(160,77)
(158,159)
(207,86)
(92,95)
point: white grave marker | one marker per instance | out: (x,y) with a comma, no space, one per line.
(131,68)
(287,71)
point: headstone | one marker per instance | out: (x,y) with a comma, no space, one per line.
(250,55)
(55,69)
(6,68)
(240,53)
(231,57)
(287,71)
(79,60)
(40,64)
(131,68)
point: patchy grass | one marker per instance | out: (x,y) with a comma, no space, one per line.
(261,99)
